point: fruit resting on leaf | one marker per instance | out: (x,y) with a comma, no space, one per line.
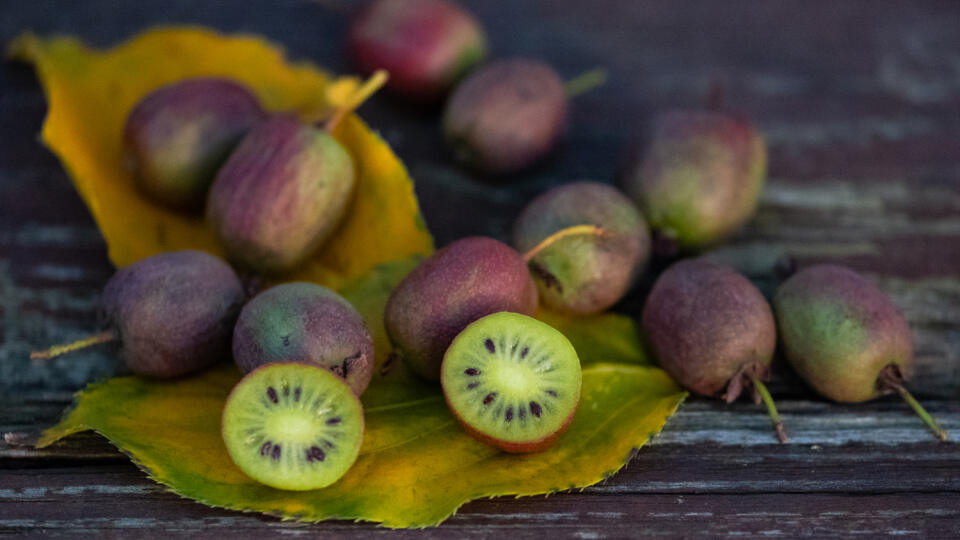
(177,137)
(425,45)
(700,178)
(308,323)
(171,314)
(280,195)
(583,273)
(512,381)
(457,285)
(845,337)
(712,331)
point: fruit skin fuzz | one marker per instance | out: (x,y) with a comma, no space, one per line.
(426,45)
(173,313)
(506,116)
(584,273)
(845,337)
(457,285)
(177,137)
(712,331)
(307,323)
(280,195)
(700,178)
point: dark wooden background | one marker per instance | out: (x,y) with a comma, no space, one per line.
(860,104)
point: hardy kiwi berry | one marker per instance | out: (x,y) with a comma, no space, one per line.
(426,45)
(280,195)
(512,381)
(582,273)
(178,136)
(845,337)
(305,322)
(457,285)
(293,426)
(712,331)
(506,116)
(171,314)
(700,178)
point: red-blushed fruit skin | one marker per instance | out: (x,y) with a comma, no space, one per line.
(506,116)
(538,445)
(587,273)
(425,45)
(173,312)
(705,324)
(280,195)
(699,180)
(363,425)
(839,332)
(305,322)
(177,137)
(460,283)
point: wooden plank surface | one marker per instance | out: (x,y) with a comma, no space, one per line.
(860,103)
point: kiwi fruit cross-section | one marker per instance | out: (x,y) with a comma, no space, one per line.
(293,426)
(512,381)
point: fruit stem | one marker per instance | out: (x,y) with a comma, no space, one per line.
(563,233)
(771,408)
(377,80)
(57,350)
(938,431)
(585,82)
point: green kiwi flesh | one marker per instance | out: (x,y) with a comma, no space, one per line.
(512,381)
(293,426)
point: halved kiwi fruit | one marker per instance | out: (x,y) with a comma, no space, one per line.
(512,381)
(293,426)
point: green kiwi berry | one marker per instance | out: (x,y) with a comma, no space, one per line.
(293,426)
(512,381)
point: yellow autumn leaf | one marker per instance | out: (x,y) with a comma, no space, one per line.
(416,466)
(90,92)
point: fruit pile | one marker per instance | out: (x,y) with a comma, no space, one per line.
(274,189)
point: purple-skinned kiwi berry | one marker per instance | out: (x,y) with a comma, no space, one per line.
(845,337)
(512,381)
(293,426)
(582,271)
(460,283)
(308,323)
(425,45)
(177,137)
(699,179)
(506,116)
(712,331)
(284,190)
(171,314)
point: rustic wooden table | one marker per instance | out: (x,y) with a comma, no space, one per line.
(860,103)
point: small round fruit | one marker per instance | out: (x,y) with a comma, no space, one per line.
(707,326)
(426,45)
(308,323)
(457,285)
(293,426)
(700,178)
(506,116)
(584,273)
(280,195)
(512,381)
(171,314)
(178,136)
(840,332)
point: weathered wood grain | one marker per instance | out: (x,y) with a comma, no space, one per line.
(860,105)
